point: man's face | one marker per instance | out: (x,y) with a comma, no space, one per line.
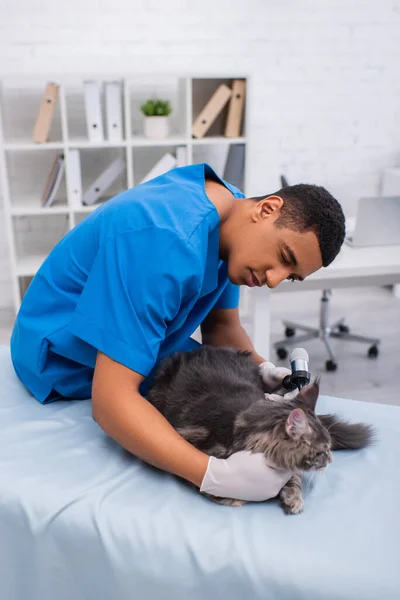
(266,255)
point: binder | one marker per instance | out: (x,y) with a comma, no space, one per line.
(167,162)
(53,181)
(234,166)
(234,119)
(181,156)
(103,182)
(94,121)
(113,95)
(46,113)
(74,177)
(211,111)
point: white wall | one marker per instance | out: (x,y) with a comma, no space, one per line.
(325,102)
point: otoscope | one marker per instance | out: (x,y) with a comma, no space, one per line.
(300,376)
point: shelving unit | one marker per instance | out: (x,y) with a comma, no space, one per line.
(32,231)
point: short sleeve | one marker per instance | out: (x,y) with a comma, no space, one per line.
(141,282)
(229,297)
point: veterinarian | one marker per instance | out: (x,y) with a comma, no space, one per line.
(132,282)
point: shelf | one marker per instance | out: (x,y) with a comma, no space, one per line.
(179,141)
(27,266)
(140,141)
(85,143)
(218,140)
(31,206)
(24,145)
(25,211)
(135,142)
(88,209)
(26,166)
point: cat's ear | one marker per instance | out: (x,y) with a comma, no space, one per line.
(308,396)
(297,423)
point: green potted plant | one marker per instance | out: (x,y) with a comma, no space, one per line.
(156,121)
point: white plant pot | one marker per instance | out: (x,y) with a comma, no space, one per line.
(156,127)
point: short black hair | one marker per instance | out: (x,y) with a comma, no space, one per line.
(312,208)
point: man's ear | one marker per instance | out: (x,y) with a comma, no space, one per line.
(267,207)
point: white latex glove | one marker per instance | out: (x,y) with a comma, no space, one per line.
(272,377)
(243,476)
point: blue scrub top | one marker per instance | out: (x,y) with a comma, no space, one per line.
(134,280)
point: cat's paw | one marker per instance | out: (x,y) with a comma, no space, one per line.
(236,503)
(225,501)
(292,504)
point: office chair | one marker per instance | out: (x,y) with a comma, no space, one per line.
(325,331)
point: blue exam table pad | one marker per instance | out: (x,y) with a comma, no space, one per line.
(82,518)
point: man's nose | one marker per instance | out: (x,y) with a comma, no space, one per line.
(274,277)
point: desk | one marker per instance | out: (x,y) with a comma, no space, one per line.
(353,267)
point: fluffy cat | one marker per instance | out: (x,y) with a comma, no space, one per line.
(214,397)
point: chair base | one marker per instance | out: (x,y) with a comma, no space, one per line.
(338,329)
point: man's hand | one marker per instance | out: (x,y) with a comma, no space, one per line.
(243,476)
(272,377)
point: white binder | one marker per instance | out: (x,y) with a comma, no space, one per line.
(167,162)
(181,156)
(103,182)
(74,176)
(94,121)
(113,95)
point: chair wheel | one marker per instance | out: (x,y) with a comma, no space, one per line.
(373,351)
(289,332)
(344,329)
(282,353)
(330,365)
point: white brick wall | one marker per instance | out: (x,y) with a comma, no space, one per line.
(325,100)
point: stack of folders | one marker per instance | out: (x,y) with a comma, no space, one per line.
(97,190)
(113,110)
(93,110)
(233,99)
(223,95)
(53,181)
(94,192)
